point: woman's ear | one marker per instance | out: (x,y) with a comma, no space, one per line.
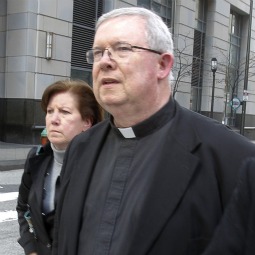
(86,124)
(166,62)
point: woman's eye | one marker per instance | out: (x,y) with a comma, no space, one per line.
(65,112)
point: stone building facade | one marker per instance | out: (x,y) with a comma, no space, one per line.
(42,41)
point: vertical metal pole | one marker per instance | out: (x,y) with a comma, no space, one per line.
(173,16)
(212,102)
(246,68)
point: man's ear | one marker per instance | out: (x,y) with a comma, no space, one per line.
(166,62)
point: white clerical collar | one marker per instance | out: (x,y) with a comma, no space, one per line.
(127,132)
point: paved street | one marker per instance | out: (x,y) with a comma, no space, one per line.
(9,183)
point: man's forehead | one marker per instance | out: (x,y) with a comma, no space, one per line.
(126,28)
(122,20)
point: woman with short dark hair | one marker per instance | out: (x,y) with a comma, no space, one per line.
(71,108)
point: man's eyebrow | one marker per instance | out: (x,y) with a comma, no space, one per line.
(118,42)
(96,47)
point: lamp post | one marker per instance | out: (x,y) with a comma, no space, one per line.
(246,74)
(214,69)
(49,41)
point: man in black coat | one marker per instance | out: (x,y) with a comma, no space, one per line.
(236,232)
(154,178)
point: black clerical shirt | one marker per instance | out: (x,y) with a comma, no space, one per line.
(121,178)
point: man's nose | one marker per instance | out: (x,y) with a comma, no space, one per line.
(107,61)
(108,53)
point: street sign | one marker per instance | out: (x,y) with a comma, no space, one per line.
(245,95)
(235,103)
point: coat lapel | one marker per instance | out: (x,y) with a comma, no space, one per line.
(167,188)
(40,164)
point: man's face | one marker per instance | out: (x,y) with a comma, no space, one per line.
(128,83)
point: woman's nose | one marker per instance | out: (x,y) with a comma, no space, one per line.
(55,117)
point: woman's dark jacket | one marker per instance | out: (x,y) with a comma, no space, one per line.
(30,197)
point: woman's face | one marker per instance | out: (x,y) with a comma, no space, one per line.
(63,120)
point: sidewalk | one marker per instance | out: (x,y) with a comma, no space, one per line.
(13,156)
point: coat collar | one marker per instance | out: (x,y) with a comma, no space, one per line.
(39,164)
(150,125)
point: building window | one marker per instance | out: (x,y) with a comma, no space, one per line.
(198,56)
(162,7)
(85,14)
(200,15)
(233,65)
(234,45)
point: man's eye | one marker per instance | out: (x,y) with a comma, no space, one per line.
(123,48)
(97,53)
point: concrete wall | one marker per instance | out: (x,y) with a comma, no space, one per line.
(28,72)
(25,72)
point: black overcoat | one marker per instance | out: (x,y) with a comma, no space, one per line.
(236,232)
(192,184)
(30,198)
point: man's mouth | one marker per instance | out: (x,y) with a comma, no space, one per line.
(109,81)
